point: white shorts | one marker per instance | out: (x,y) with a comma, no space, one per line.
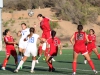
(22,44)
(33,52)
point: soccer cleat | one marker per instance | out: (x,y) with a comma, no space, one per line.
(73,73)
(95,72)
(53,69)
(16,71)
(37,61)
(53,59)
(85,61)
(3,68)
(32,71)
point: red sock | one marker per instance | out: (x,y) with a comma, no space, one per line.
(99,56)
(50,65)
(46,51)
(5,62)
(91,64)
(74,65)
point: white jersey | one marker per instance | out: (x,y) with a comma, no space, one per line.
(32,42)
(24,34)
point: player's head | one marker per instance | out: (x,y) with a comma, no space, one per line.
(23,25)
(40,17)
(79,28)
(6,32)
(32,30)
(91,31)
(53,34)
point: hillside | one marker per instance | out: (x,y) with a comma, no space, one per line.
(64,32)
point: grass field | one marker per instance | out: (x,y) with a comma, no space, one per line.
(63,65)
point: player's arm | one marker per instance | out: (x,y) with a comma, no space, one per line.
(19,33)
(87,38)
(55,20)
(71,40)
(60,48)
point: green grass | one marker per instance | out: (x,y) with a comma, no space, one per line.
(63,65)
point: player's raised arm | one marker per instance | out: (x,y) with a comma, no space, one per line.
(56,20)
(71,40)
(60,49)
(19,33)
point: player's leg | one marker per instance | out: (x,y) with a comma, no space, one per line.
(97,53)
(14,54)
(74,64)
(5,62)
(26,54)
(90,62)
(33,64)
(6,59)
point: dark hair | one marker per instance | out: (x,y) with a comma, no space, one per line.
(92,31)
(23,24)
(32,30)
(40,15)
(53,34)
(5,32)
(79,28)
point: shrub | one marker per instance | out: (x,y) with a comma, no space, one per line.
(66,45)
(54,25)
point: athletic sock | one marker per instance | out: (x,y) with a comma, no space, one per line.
(39,50)
(91,64)
(99,56)
(20,64)
(74,65)
(50,65)
(33,65)
(5,62)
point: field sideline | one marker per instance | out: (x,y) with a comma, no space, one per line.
(63,65)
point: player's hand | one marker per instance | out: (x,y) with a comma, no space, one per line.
(60,52)
(34,25)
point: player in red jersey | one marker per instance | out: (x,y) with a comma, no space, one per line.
(45,27)
(91,45)
(10,49)
(53,42)
(80,38)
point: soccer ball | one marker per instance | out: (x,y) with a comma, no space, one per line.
(30,13)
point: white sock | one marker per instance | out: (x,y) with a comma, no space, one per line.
(20,64)
(33,65)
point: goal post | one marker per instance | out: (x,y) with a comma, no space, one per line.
(1,6)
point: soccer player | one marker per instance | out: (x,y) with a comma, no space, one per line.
(10,49)
(45,27)
(31,48)
(22,44)
(91,45)
(53,42)
(80,38)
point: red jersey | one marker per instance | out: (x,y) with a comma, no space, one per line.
(91,45)
(79,46)
(45,25)
(53,45)
(8,39)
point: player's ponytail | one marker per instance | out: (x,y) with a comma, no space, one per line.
(79,28)
(5,32)
(92,31)
(53,34)
(40,15)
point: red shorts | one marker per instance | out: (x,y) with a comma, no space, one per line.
(90,48)
(46,35)
(11,51)
(81,50)
(53,53)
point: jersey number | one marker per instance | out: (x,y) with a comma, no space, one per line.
(56,42)
(31,40)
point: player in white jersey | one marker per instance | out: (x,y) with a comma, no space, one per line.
(22,44)
(31,48)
